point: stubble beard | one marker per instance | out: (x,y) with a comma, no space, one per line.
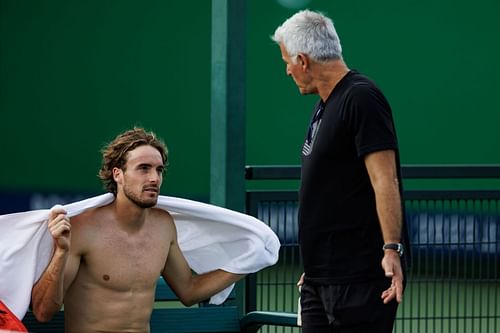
(138,201)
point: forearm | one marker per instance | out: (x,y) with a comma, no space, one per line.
(381,167)
(206,285)
(48,292)
(388,202)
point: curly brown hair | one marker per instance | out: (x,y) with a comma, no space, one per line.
(114,155)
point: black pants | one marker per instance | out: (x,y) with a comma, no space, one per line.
(347,308)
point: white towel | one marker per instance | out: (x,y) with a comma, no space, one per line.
(210,237)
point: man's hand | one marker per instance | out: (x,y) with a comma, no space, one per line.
(301,281)
(391,263)
(60,228)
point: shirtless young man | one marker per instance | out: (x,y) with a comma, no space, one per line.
(108,259)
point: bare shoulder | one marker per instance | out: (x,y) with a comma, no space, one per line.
(86,226)
(90,218)
(161,216)
(161,221)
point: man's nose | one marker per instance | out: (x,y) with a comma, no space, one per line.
(154,177)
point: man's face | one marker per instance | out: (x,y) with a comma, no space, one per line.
(143,175)
(298,72)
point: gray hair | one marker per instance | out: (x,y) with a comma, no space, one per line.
(311,33)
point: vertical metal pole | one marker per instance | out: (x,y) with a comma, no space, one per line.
(228,108)
(228,104)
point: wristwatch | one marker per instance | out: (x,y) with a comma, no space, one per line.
(398,247)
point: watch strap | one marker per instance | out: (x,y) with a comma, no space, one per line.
(398,247)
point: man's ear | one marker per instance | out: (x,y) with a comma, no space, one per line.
(117,174)
(303,61)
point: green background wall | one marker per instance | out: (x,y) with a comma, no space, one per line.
(73,74)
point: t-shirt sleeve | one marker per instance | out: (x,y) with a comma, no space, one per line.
(369,120)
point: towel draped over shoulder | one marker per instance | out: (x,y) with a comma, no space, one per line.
(210,237)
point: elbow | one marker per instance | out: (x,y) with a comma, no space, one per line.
(188,297)
(188,304)
(187,301)
(44,314)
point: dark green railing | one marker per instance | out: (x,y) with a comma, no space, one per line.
(454,281)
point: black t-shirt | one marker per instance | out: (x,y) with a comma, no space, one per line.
(339,232)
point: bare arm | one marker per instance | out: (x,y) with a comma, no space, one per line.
(48,292)
(381,168)
(192,289)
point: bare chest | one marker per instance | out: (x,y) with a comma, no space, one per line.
(126,262)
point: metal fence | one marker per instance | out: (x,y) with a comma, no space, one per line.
(454,280)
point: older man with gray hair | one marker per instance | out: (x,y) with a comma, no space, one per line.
(351,228)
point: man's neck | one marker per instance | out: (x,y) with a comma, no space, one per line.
(328,75)
(128,215)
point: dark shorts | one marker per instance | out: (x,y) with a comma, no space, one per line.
(347,308)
